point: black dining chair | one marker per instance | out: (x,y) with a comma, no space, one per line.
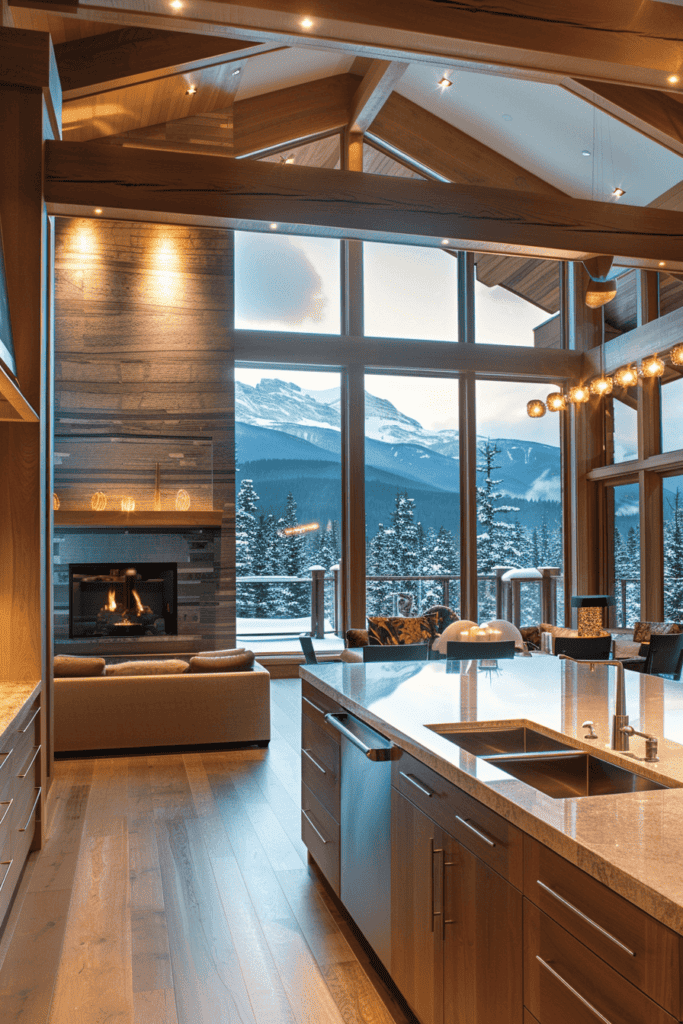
(461,650)
(396,652)
(665,655)
(307,648)
(584,648)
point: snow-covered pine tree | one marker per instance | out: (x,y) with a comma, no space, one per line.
(263,564)
(406,540)
(494,541)
(673,561)
(536,559)
(245,536)
(295,597)
(440,558)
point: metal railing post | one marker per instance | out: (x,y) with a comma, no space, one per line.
(446,583)
(623,604)
(336,611)
(549,594)
(317,602)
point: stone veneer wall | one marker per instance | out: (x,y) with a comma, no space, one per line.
(143,317)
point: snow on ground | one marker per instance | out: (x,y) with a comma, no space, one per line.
(261,635)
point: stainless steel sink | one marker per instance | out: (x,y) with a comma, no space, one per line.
(500,741)
(573,773)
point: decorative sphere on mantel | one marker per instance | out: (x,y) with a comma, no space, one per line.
(182,501)
(98,502)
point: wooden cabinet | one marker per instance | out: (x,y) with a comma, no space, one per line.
(320,783)
(456,927)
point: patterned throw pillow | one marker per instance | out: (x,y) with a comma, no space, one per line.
(398,630)
(643,630)
(357,638)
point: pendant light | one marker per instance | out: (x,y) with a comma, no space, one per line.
(535,408)
(556,402)
(677,355)
(653,366)
(626,377)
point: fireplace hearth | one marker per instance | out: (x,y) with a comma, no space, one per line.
(123,599)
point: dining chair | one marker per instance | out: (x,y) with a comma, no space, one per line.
(665,655)
(461,650)
(396,652)
(307,648)
(584,648)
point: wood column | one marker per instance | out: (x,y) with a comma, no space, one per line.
(467,415)
(650,484)
(353,416)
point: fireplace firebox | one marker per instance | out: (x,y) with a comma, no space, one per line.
(123,599)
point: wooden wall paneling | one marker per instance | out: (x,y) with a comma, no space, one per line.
(143,347)
(650,484)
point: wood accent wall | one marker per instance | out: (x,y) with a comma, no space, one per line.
(143,345)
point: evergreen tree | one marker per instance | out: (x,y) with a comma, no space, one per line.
(263,564)
(291,549)
(440,558)
(245,539)
(673,561)
(494,543)
(536,549)
(407,548)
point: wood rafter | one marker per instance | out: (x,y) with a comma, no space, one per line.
(641,41)
(223,192)
(373,92)
(657,115)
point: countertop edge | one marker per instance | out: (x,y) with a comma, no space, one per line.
(13,699)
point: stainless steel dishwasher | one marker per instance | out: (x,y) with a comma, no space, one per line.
(365,848)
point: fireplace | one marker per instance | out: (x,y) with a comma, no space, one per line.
(123,599)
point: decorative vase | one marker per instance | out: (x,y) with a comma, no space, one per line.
(55,502)
(182,501)
(128,504)
(98,502)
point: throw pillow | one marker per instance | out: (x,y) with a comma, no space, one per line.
(70,666)
(399,630)
(170,667)
(241,662)
(642,631)
(357,638)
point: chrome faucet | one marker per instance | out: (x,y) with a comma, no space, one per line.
(620,727)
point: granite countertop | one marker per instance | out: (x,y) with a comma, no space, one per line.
(13,697)
(632,842)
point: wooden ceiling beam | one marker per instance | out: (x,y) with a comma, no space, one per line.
(453,154)
(631,42)
(374,90)
(129,56)
(248,195)
(657,115)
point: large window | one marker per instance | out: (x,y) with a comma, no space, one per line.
(673,548)
(517,302)
(672,415)
(288,452)
(287,283)
(410,292)
(627,554)
(625,425)
(412,499)
(519,493)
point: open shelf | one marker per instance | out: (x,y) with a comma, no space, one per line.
(66,518)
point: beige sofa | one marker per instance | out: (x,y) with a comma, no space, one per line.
(189,709)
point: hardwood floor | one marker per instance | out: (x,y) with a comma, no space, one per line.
(174,889)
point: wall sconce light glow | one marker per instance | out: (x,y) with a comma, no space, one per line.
(307,23)
(85,237)
(579,395)
(662,263)
(535,408)
(618,192)
(444,83)
(602,386)
(177,5)
(653,366)
(673,79)
(191,91)
(556,402)
(626,377)
(273,226)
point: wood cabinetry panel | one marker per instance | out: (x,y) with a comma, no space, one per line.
(320,833)
(320,765)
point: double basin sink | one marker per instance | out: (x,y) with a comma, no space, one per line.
(548,765)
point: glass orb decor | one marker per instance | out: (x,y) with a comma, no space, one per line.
(626,377)
(182,501)
(602,386)
(653,366)
(128,504)
(579,394)
(55,502)
(556,402)
(98,502)
(535,408)
(677,355)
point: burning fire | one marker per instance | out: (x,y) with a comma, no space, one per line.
(111,602)
(138,603)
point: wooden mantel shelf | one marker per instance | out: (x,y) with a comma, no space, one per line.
(68,518)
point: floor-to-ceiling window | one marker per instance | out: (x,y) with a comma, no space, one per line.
(626,568)
(673,548)
(410,292)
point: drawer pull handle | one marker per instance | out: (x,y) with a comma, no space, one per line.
(311,758)
(35,804)
(582,999)
(6,811)
(584,917)
(27,769)
(319,834)
(6,757)
(482,835)
(30,721)
(418,785)
(320,711)
(7,865)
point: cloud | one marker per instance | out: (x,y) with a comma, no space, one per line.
(545,488)
(275,280)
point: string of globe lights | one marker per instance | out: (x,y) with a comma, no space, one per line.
(600,387)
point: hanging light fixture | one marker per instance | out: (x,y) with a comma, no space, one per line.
(601,288)
(602,385)
(579,394)
(535,408)
(626,377)
(653,366)
(556,402)
(677,355)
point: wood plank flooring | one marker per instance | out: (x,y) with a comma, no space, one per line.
(175,889)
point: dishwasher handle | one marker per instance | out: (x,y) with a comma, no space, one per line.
(373,753)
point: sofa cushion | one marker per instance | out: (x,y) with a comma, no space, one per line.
(401,629)
(545,627)
(642,631)
(70,666)
(241,662)
(168,667)
(220,654)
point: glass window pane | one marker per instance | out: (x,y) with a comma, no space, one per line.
(672,415)
(412,498)
(517,302)
(410,292)
(625,426)
(519,494)
(288,452)
(287,283)
(627,554)
(673,548)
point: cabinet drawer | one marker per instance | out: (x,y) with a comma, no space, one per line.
(565,982)
(316,705)
(320,833)
(479,829)
(628,939)
(320,765)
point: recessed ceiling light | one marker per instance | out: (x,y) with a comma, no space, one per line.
(445,83)
(673,79)
(273,226)
(585,152)
(191,91)
(662,263)
(307,23)
(98,209)
(507,117)
(618,193)
(290,159)
(444,241)
(237,71)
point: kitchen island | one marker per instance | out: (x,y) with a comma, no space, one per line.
(508,867)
